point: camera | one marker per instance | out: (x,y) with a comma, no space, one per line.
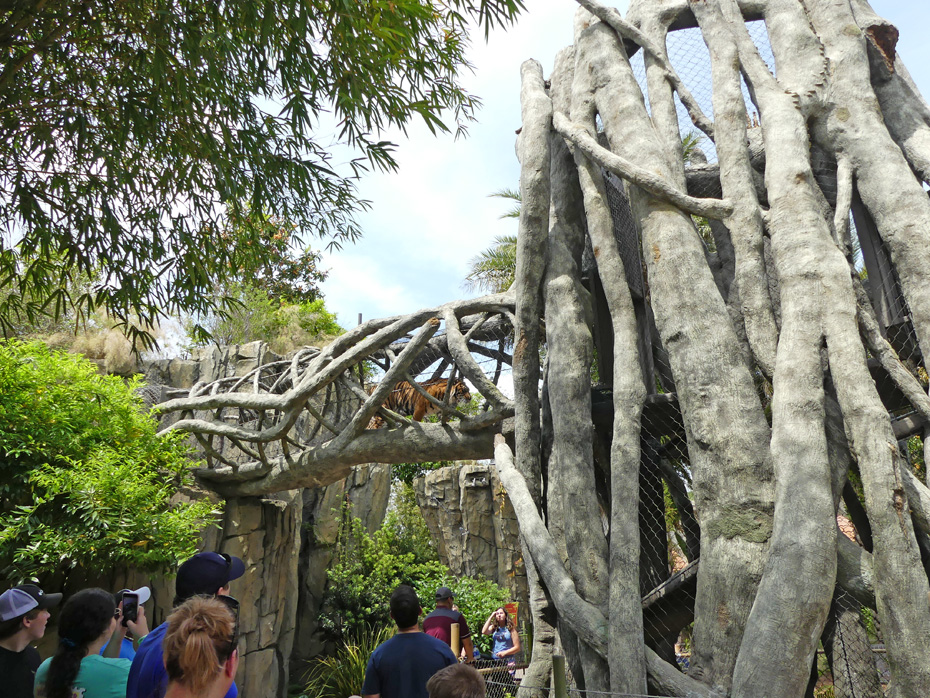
(130,607)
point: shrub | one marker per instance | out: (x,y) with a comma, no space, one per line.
(367,568)
(84,478)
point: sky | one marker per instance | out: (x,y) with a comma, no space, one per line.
(434,214)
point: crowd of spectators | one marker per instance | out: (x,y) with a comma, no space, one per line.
(105,648)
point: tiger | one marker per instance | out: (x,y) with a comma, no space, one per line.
(405,400)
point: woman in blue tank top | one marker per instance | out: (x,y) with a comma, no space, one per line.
(503,631)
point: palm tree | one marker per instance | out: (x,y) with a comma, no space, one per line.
(493,269)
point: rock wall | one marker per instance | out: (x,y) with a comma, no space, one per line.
(471,519)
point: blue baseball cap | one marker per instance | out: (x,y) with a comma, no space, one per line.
(206,573)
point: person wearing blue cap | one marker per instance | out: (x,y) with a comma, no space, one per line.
(23,617)
(205,574)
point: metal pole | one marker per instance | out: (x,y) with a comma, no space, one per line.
(559,684)
(454,640)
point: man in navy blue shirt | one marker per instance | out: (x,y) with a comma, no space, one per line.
(205,574)
(400,667)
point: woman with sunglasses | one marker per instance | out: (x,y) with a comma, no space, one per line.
(200,648)
(87,623)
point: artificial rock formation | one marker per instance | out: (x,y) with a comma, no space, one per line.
(472,521)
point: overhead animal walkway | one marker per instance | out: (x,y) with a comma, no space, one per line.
(304,422)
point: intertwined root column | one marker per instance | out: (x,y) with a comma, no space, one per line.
(727,432)
(570,354)
(625,656)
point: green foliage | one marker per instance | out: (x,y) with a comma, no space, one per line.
(85,479)
(408,472)
(915,456)
(512,195)
(276,300)
(493,269)
(343,674)
(282,273)
(676,541)
(689,145)
(367,568)
(256,315)
(131,134)
(410,533)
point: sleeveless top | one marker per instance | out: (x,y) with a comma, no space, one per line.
(502,641)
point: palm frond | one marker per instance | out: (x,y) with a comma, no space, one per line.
(493,269)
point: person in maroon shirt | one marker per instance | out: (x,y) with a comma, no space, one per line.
(439,623)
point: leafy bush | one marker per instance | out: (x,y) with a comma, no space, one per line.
(284,325)
(84,479)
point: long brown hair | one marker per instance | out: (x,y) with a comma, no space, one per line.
(510,625)
(198,642)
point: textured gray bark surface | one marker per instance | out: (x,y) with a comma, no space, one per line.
(765,494)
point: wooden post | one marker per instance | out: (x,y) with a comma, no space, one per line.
(454,640)
(559,684)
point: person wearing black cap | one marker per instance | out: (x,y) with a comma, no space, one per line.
(23,617)
(205,574)
(439,623)
(400,667)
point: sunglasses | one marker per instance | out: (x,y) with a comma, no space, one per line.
(233,605)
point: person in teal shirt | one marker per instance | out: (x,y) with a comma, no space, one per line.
(88,622)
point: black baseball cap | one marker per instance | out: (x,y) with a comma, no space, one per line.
(443,593)
(206,573)
(21,599)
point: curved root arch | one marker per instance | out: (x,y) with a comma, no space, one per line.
(305,421)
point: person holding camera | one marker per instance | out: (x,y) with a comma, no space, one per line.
(128,602)
(205,574)
(24,613)
(200,649)
(88,622)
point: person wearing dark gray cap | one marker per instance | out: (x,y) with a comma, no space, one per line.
(23,617)
(439,623)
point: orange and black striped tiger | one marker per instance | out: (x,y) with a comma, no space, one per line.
(405,400)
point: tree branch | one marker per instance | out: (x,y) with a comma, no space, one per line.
(640,176)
